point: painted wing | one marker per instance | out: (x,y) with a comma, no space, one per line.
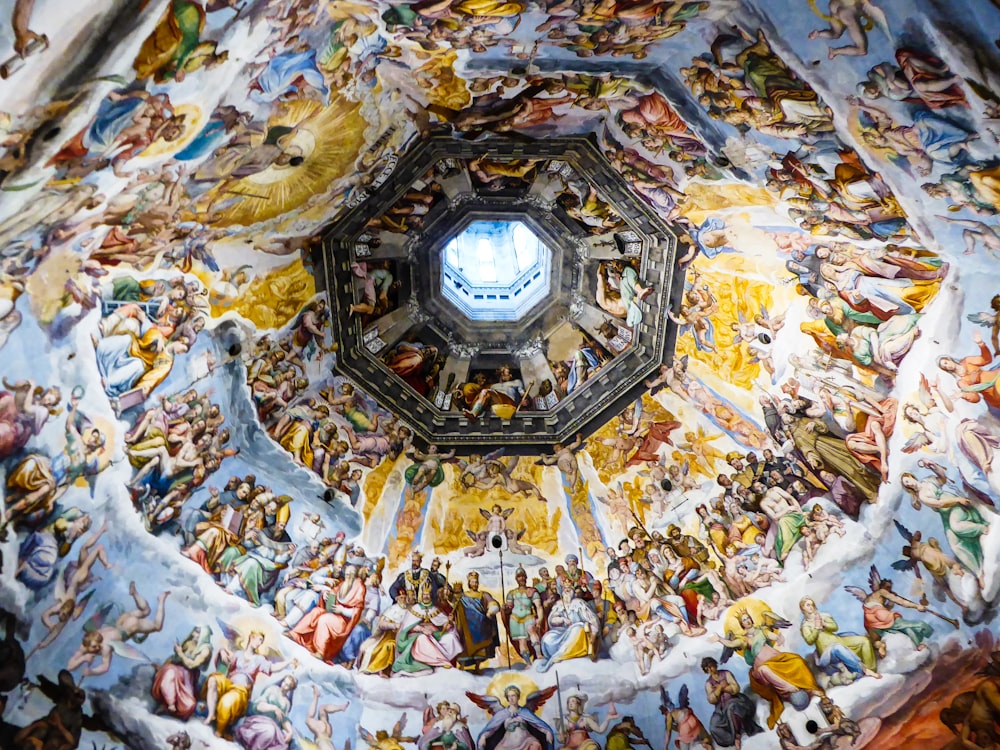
(904,565)
(367,736)
(128,651)
(537,699)
(858,593)
(82,604)
(915,443)
(774,620)
(682,697)
(984,319)
(493,455)
(399,726)
(666,705)
(486,702)
(903,531)
(874,579)
(232,635)
(96,621)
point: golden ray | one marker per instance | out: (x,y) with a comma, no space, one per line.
(335,135)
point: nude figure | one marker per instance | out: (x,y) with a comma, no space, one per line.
(101,642)
(74,578)
(847,15)
(318,720)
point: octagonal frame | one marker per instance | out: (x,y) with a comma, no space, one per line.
(608,391)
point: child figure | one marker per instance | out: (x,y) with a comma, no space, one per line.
(823,524)
(657,638)
(811,545)
(643,648)
(711,609)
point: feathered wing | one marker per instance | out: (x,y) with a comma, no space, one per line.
(727,651)
(538,698)
(774,620)
(485,513)
(984,319)
(96,621)
(666,705)
(399,726)
(231,634)
(486,702)
(81,604)
(903,531)
(924,392)
(858,593)
(874,579)
(494,455)
(915,443)
(906,565)
(683,698)
(128,651)
(367,736)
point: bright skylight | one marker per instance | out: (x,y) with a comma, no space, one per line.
(495,270)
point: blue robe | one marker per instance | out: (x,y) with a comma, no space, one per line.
(509,719)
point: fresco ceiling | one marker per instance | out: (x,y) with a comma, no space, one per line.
(729,482)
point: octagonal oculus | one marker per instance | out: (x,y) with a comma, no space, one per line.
(495,270)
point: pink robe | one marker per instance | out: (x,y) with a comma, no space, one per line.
(325,633)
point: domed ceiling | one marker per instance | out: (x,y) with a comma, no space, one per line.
(495,374)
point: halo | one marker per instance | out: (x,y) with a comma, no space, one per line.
(505,679)
(754,607)
(306,143)
(192,126)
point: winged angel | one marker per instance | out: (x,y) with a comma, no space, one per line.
(776,676)
(496,523)
(515,727)
(680,717)
(491,470)
(102,638)
(943,567)
(382,740)
(927,415)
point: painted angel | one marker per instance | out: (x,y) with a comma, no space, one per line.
(776,676)
(943,567)
(680,717)
(229,691)
(515,726)
(703,455)
(878,602)
(498,474)
(926,415)
(102,639)
(475,471)
(382,740)
(70,595)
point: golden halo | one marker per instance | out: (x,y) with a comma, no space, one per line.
(505,679)
(755,607)
(192,126)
